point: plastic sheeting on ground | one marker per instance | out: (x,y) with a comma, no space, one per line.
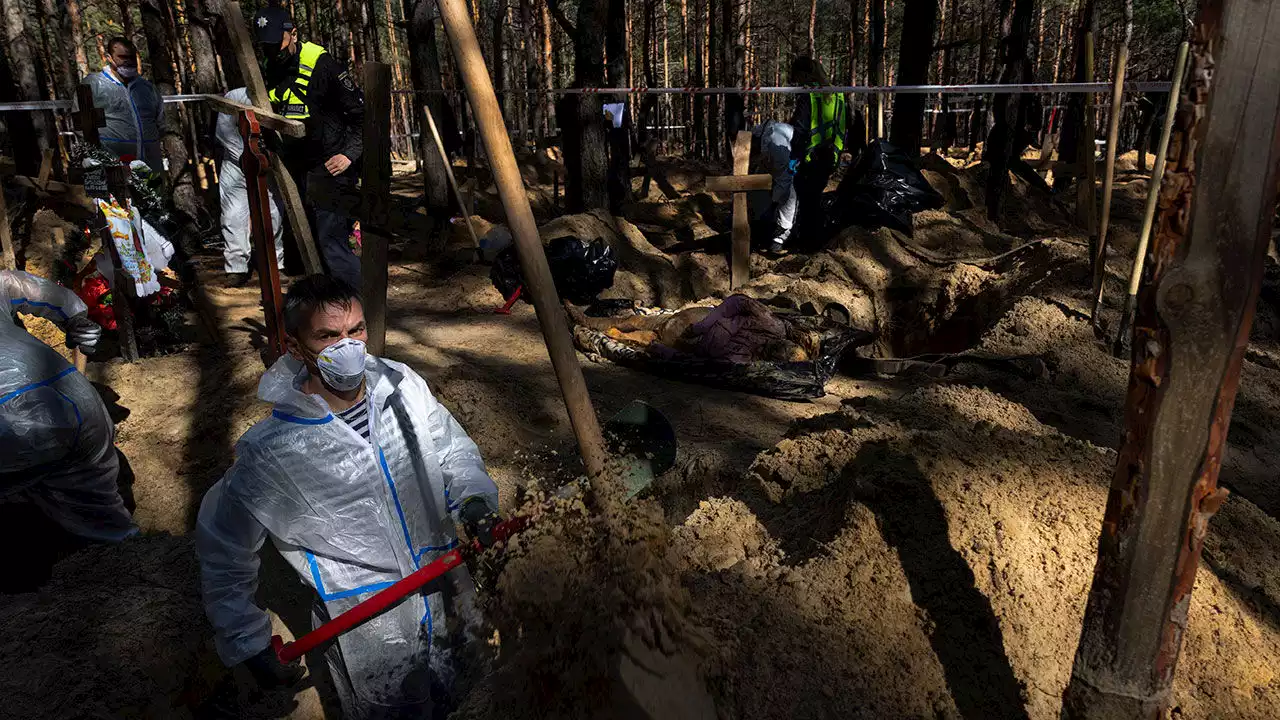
(882,189)
(783,380)
(581,270)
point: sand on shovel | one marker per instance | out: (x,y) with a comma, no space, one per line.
(591,618)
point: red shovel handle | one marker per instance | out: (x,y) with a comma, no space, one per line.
(375,605)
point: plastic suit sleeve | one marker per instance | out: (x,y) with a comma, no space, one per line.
(228,538)
(459,458)
(37,296)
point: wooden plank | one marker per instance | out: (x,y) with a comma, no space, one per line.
(242,48)
(266,118)
(254,163)
(1191,334)
(8,258)
(524,230)
(740,269)
(739,183)
(375,194)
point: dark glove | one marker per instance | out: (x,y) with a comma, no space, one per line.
(478,519)
(269,673)
(82,333)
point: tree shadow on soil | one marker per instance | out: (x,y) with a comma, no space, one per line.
(964,631)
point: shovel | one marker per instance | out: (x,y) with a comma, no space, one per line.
(638,432)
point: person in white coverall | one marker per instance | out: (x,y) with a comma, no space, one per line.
(777,209)
(234,194)
(357,476)
(56,438)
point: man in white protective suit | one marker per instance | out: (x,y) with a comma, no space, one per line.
(775,210)
(234,194)
(357,476)
(56,439)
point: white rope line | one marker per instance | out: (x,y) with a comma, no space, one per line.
(1071,88)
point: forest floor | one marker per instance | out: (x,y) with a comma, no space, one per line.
(906,546)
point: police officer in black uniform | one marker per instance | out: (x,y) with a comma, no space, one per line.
(307,83)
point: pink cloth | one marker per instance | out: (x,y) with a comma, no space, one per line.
(736,330)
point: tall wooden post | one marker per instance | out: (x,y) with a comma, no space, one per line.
(8,258)
(1190,337)
(740,269)
(524,231)
(255,162)
(242,47)
(1108,179)
(375,194)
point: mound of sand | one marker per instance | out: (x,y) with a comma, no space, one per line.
(935,558)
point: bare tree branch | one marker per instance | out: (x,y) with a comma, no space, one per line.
(561,19)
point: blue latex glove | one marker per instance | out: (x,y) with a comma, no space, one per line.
(791,166)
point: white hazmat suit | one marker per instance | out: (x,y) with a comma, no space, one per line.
(56,435)
(352,516)
(234,194)
(775,154)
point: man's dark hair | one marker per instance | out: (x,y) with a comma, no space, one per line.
(312,292)
(121,40)
(807,71)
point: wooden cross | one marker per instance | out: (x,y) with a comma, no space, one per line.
(739,183)
(255,162)
(88,117)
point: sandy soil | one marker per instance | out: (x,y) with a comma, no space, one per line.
(899,548)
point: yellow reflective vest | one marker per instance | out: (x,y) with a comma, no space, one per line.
(292,102)
(828,123)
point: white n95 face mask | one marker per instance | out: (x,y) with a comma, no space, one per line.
(342,364)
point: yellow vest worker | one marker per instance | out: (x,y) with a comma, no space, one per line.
(307,83)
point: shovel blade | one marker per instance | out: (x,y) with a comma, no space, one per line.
(644,439)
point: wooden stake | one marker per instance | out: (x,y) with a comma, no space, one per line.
(524,231)
(375,196)
(1113,139)
(1191,334)
(740,269)
(255,163)
(1153,195)
(242,48)
(448,172)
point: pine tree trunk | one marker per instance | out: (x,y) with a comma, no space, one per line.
(875,59)
(498,58)
(582,116)
(546,105)
(619,138)
(813,23)
(1007,138)
(715,76)
(913,69)
(1073,122)
(735,67)
(125,8)
(156,19)
(699,80)
(425,73)
(32,133)
(72,26)
(686,102)
(978,119)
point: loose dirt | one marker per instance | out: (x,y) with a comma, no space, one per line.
(900,548)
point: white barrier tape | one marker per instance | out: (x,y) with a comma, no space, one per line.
(1070,88)
(1096,87)
(66,104)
